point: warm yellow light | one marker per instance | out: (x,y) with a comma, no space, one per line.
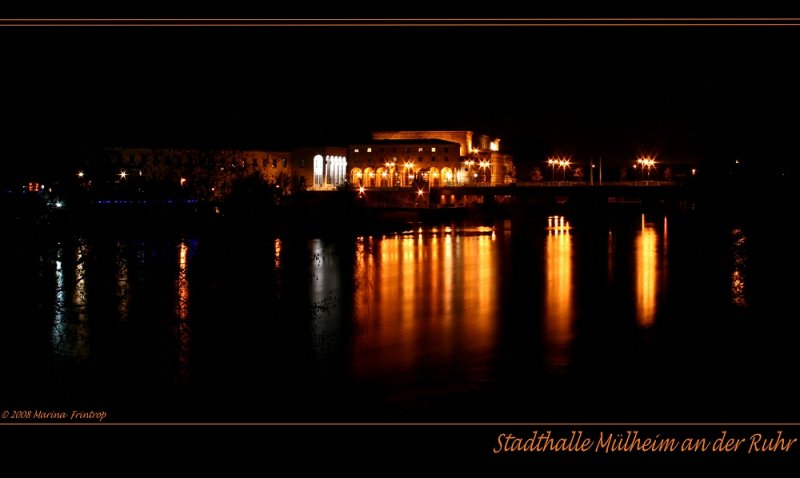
(384,174)
(361,190)
(183,181)
(80,174)
(694,171)
(419,192)
(123,174)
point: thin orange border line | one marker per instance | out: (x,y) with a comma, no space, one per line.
(407,25)
(712,21)
(412,424)
(418,19)
(406,22)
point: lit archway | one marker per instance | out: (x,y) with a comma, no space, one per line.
(381,178)
(447,176)
(434,177)
(369,177)
(356,176)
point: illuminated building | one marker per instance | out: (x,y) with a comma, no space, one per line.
(445,158)
(397,163)
(322,168)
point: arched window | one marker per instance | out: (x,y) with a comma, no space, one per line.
(318,171)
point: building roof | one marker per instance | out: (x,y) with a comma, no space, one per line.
(406,141)
(426,131)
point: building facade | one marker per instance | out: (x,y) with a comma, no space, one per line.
(205,173)
(322,168)
(441,158)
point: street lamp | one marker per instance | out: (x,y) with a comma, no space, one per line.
(484,164)
(390,167)
(564,164)
(646,162)
(409,166)
(552,162)
(467,166)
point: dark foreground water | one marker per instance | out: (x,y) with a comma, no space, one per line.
(551,315)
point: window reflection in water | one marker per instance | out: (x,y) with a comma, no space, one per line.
(123,287)
(326,293)
(277,245)
(60,334)
(739,264)
(70,333)
(559,311)
(426,302)
(80,301)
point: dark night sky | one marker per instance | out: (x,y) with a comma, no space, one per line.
(612,91)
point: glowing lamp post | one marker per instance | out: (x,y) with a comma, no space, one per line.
(564,164)
(467,166)
(645,162)
(409,167)
(484,164)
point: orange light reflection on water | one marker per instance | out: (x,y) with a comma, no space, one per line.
(558,307)
(183,329)
(425,301)
(647,273)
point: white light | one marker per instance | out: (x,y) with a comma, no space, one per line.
(59,204)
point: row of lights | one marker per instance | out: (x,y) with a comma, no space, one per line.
(124,174)
(643,162)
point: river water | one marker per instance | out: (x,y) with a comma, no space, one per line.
(542,316)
